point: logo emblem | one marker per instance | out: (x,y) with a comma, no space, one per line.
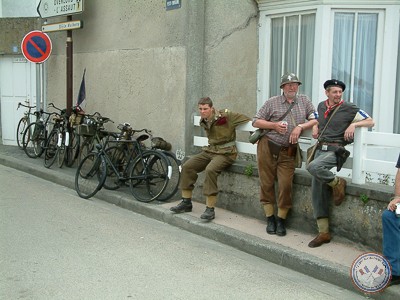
(370,272)
(180,154)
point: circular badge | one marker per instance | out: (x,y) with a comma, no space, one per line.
(370,272)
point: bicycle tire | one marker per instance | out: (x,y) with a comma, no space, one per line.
(51,152)
(85,148)
(34,143)
(90,175)
(149,176)
(72,149)
(174,177)
(118,159)
(21,127)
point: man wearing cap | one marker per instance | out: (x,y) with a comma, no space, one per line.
(283,119)
(331,153)
(220,126)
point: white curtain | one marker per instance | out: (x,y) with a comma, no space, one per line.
(292,50)
(354,54)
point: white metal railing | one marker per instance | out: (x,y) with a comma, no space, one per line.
(371,152)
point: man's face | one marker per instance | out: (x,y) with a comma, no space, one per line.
(334,94)
(205,111)
(290,90)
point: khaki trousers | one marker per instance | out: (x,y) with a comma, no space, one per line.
(270,170)
(212,164)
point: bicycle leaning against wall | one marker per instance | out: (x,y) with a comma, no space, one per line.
(35,135)
(23,123)
(146,171)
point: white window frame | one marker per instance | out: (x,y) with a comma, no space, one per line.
(386,52)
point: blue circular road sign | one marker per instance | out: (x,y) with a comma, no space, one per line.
(36,46)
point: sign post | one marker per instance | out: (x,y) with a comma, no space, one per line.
(55,8)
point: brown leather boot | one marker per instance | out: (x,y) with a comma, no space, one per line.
(322,238)
(339,191)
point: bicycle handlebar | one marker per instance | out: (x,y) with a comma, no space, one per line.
(24,105)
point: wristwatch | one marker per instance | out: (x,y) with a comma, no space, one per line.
(301,126)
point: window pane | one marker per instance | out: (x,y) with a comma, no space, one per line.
(343,48)
(276,55)
(292,50)
(364,73)
(291,41)
(306,62)
(355,32)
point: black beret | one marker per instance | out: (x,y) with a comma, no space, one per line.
(334,82)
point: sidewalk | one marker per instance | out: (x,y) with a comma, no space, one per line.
(330,262)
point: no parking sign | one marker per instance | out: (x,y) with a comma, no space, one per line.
(36,46)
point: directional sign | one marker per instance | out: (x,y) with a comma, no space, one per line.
(54,8)
(36,46)
(62,26)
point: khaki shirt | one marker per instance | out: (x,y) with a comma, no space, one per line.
(221,131)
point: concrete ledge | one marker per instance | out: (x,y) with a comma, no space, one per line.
(355,220)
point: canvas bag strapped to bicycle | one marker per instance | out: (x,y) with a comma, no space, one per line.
(259,133)
(312,149)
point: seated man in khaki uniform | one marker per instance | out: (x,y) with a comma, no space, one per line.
(220,153)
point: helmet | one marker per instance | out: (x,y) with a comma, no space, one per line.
(289,77)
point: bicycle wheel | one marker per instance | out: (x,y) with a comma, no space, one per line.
(51,152)
(22,124)
(118,159)
(34,138)
(72,149)
(174,177)
(149,176)
(85,148)
(90,175)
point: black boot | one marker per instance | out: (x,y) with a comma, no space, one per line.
(280,227)
(208,214)
(271,225)
(184,206)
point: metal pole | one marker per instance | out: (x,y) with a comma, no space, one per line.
(44,85)
(69,69)
(38,87)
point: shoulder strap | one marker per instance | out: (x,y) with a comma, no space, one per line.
(285,114)
(326,125)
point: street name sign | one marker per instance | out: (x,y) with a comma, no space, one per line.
(36,46)
(54,8)
(62,26)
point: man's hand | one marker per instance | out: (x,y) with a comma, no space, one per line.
(295,135)
(315,131)
(392,204)
(280,127)
(349,133)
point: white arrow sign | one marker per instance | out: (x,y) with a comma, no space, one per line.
(54,8)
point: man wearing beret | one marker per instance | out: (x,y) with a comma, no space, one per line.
(283,118)
(343,119)
(220,126)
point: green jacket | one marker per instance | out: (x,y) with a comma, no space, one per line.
(221,131)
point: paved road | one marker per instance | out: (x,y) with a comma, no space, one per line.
(55,245)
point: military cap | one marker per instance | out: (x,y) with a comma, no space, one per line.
(288,78)
(334,82)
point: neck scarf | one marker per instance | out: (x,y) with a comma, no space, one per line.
(330,108)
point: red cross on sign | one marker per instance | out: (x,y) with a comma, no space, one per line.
(36,46)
